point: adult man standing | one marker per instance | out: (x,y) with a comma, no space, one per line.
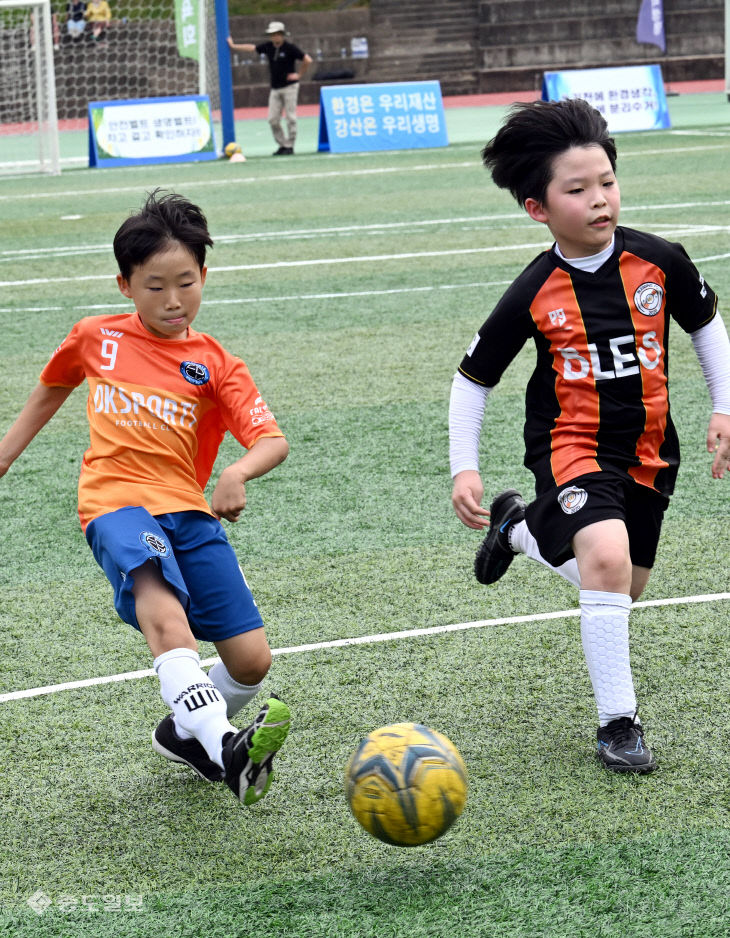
(282,56)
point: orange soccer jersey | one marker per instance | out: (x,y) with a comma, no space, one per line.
(157,410)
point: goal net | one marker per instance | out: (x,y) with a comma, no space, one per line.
(146,49)
(28,119)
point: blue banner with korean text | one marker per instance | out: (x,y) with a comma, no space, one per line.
(398,116)
(630,98)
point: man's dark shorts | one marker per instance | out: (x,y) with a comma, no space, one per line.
(558,514)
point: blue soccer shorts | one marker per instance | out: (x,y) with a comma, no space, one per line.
(194,557)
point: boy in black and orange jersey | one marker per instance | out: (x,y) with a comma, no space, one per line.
(599,437)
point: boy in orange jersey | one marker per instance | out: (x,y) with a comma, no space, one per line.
(599,437)
(161,398)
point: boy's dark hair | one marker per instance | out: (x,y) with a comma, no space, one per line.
(163,219)
(520,157)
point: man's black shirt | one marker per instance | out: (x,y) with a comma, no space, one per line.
(282,61)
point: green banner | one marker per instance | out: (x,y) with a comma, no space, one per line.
(187,21)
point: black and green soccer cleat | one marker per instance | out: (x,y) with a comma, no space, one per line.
(249,754)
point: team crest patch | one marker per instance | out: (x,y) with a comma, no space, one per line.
(194,372)
(648,298)
(154,543)
(572,499)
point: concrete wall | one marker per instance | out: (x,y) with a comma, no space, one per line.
(324,36)
(519,39)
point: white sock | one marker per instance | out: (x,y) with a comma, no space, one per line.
(235,695)
(198,708)
(522,541)
(604,629)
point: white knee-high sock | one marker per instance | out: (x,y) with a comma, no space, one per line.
(235,695)
(198,708)
(604,629)
(521,540)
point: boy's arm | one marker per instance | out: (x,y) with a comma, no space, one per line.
(718,442)
(240,46)
(466,412)
(712,346)
(229,496)
(41,405)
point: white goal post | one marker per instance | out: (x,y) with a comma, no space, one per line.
(52,65)
(28,116)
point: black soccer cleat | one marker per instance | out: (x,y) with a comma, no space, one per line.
(621,746)
(248,755)
(188,751)
(495,554)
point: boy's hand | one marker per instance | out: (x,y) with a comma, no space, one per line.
(466,498)
(229,495)
(718,442)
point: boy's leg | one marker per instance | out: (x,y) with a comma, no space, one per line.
(607,576)
(150,594)
(509,535)
(609,582)
(198,708)
(222,610)
(248,756)
(521,541)
(245,662)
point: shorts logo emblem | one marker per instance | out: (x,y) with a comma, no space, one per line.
(194,372)
(572,499)
(648,298)
(154,543)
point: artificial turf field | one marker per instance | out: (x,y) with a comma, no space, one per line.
(351,286)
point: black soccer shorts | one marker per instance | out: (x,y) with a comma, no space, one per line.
(554,517)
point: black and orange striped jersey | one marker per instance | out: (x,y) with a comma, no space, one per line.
(598,397)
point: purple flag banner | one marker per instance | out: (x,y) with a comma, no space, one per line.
(650,24)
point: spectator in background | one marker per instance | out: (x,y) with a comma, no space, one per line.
(100,16)
(75,22)
(282,56)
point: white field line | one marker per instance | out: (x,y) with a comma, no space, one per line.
(366,258)
(70,250)
(364,640)
(293,297)
(77,250)
(278,179)
(237,301)
(280,265)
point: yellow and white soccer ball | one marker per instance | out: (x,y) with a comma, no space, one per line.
(232,151)
(406,784)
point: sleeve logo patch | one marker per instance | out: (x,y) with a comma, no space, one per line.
(648,298)
(194,372)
